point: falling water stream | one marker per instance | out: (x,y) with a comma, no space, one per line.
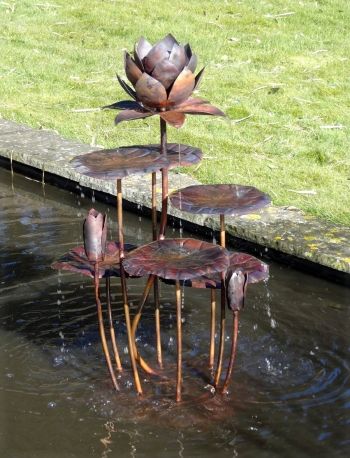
(290,395)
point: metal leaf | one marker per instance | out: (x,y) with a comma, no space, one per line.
(111,164)
(192,63)
(142,48)
(177,259)
(130,115)
(219,199)
(125,105)
(200,109)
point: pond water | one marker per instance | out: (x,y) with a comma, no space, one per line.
(290,395)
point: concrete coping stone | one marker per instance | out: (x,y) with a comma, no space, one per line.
(285,229)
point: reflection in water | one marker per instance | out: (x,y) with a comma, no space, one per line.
(290,395)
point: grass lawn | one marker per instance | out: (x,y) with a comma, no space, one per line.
(279,69)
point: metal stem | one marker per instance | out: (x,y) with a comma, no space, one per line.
(102,329)
(179,342)
(135,323)
(223,304)
(111,327)
(233,351)
(212,328)
(222,331)
(165,181)
(157,320)
(123,285)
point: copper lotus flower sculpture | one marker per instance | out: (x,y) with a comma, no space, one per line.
(95,235)
(163,79)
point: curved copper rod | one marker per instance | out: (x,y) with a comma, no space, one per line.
(179,342)
(123,286)
(102,329)
(222,331)
(111,327)
(212,328)
(135,323)
(233,351)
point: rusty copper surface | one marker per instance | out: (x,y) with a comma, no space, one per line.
(236,288)
(255,270)
(75,260)
(219,199)
(95,235)
(111,164)
(163,80)
(177,259)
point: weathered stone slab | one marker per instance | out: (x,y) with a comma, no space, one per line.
(284,229)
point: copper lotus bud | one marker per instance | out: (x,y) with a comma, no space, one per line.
(95,235)
(236,286)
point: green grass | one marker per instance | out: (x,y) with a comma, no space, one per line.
(287,74)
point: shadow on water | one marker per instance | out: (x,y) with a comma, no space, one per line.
(289,397)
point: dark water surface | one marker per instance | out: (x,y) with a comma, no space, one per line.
(290,396)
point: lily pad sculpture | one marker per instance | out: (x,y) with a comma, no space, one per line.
(219,199)
(177,259)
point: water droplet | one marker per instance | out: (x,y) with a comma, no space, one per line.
(51,404)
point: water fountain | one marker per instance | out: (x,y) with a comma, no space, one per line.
(163,81)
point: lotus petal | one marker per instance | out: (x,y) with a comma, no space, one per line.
(142,48)
(200,109)
(165,72)
(131,69)
(182,88)
(192,63)
(199,78)
(173,118)
(188,51)
(168,41)
(127,88)
(178,57)
(191,101)
(158,53)
(150,92)
(124,105)
(129,115)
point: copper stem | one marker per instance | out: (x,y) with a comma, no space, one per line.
(212,327)
(165,181)
(135,323)
(157,320)
(179,342)
(222,331)
(111,327)
(123,285)
(102,329)
(233,351)
(223,310)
